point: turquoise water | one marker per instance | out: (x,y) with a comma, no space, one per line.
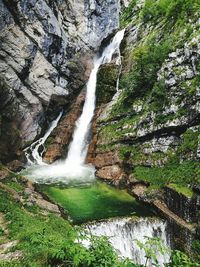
(95,201)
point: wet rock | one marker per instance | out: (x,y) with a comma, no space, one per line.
(112,173)
(43,204)
(6,255)
(3,173)
(61,136)
(107,81)
(184,206)
(15,165)
(105,159)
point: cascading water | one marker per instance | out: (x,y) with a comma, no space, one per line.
(78,147)
(32,152)
(73,168)
(123,234)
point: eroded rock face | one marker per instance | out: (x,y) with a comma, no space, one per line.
(61,136)
(45,50)
(184,206)
(145,134)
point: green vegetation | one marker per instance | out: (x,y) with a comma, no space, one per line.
(13,181)
(48,240)
(174,11)
(182,189)
(95,201)
(183,173)
(151,247)
(127,14)
(189,143)
(196,249)
(136,156)
(116,130)
(190,87)
(180,259)
(168,29)
(106,86)
(147,59)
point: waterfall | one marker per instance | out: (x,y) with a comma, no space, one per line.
(33,153)
(123,234)
(73,168)
(78,148)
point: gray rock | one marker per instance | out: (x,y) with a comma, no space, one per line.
(40,41)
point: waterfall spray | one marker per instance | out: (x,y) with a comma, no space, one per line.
(32,153)
(73,168)
(124,234)
(78,148)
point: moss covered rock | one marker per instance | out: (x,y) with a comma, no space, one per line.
(106,83)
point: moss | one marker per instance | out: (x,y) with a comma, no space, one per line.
(185,190)
(181,173)
(106,83)
(190,87)
(125,152)
(162,118)
(116,130)
(189,142)
(105,147)
(181,112)
(127,14)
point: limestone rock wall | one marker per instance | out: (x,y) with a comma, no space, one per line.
(154,118)
(45,58)
(186,207)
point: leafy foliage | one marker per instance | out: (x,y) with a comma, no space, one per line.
(52,241)
(180,259)
(153,247)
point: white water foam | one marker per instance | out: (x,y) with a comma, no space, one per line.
(73,168)
(123,234)
(78,148)
(33,153)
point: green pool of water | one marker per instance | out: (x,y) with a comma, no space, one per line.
(95,201)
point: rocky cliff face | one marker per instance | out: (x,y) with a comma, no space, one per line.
(45,54)
(185,206)
(151,129)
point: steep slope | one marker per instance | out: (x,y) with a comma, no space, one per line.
(155,119)
(45,53)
